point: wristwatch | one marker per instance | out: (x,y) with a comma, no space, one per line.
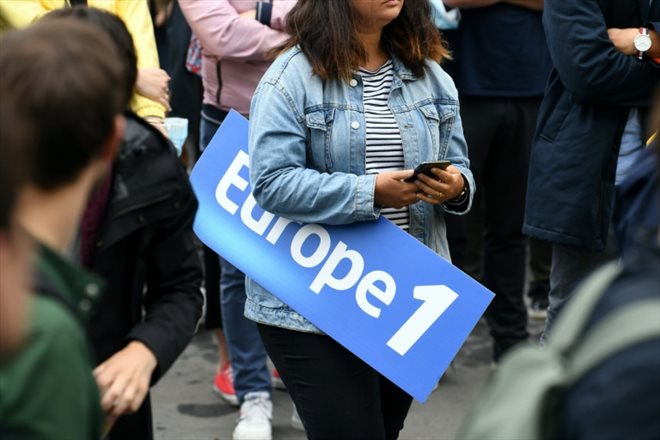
(642,42)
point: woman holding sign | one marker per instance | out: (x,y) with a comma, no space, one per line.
(356,99)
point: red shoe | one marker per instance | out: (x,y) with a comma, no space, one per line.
(277,380)
(223,384)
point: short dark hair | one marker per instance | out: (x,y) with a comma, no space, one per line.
(114,28)
(14,142)
(326,31)
(61,79)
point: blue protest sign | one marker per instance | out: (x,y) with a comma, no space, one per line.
(372,287)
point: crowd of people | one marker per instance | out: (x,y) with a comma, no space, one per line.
(543,111)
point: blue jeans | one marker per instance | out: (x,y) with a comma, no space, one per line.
(246,351)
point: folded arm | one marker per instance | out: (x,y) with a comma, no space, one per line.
(224,34)
(589,65)
(536,5)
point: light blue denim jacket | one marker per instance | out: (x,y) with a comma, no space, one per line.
(307,155)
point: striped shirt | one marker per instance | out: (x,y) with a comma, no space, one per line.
(384,150)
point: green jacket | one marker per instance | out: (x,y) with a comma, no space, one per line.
(47,389)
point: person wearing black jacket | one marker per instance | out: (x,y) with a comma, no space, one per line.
(591,120)
(136,232)
(144,248)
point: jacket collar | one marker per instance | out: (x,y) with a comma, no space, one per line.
(401,70)
(78,289)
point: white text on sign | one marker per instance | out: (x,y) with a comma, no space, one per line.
(375,285)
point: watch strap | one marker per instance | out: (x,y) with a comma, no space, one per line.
(642,31)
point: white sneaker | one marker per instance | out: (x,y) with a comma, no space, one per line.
(254,420)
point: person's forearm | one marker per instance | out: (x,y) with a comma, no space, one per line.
(534,5)
(624,41)
(590,67)
(137,19)
(225,35)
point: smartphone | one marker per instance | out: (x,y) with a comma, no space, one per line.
(425,168)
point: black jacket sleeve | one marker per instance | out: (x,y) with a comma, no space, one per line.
(173,300)
(587,62)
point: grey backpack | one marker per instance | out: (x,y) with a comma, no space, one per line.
(522,401)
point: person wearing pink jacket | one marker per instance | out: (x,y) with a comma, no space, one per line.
(236,36)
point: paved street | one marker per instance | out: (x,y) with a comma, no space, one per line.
(185,407)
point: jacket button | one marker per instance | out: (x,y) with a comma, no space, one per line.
(353,82)
(177,205)
(99,243)
(92,290)
(140,219)
(355,125)
(85,305)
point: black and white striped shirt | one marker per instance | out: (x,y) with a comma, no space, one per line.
(384,150)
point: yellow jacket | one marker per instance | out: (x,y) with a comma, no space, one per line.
(134,14)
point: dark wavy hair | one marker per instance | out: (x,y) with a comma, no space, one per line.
(326,31)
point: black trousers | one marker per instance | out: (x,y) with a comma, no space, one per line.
(138,426)
(337,395)
(499,134)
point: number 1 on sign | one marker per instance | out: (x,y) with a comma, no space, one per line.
(436,299)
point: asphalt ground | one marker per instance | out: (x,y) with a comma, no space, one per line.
(185,407)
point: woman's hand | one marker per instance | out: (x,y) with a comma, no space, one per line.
(392,191)
(153,83)
(447,185)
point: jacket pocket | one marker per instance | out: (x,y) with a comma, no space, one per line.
(319,124)
(439,123)
(556,112)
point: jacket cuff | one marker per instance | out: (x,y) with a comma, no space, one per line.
(264,13)
(461,199)
(150,339)
(654,26)
(460,207)
(365,206)
(146,107)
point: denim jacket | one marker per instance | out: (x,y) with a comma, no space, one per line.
(307,155)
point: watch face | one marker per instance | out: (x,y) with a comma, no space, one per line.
(642,42)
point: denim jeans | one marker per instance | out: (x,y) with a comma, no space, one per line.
(246,351)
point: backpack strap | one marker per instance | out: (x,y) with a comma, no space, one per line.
(571,322)
(77,2)
(632,324)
